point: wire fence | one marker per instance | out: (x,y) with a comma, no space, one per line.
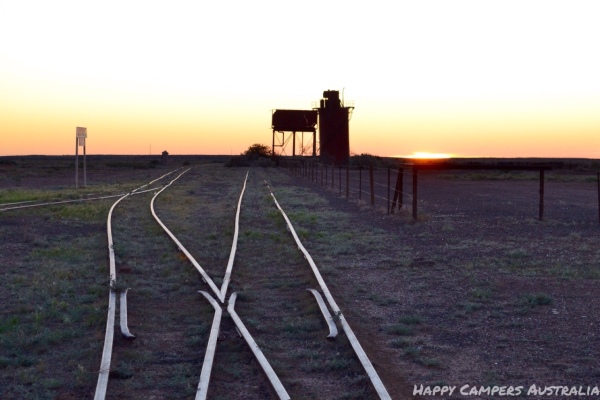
(455,194)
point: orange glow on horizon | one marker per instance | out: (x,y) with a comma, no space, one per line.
(141,90)
(426,155)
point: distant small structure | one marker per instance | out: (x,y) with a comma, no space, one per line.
(165,156)
(80,136)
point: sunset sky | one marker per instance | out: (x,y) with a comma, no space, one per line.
(471,78)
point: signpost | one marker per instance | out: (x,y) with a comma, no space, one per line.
(81,135)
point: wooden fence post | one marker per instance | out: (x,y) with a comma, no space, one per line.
(415,172)
(333,176)
(348,180)
(372,185)
(360,182)
(541,194)
(340,176)
(321,168)
(401,188)
(388,187)
(398,192)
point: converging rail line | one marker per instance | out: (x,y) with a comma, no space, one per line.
(221,295)
(102,384)
(218,298)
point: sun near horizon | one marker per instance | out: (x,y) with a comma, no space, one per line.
(425,155)
(202,78)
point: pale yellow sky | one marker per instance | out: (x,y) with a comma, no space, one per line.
(472,78)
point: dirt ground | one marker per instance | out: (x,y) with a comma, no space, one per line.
(503,299)
(477,293)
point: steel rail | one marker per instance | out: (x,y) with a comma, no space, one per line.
(326,314)
(102,383)
(260,357)
(362,356)
(78,200)
(103,374)
(123,315)
(63,202)
(205,276)
(135,191)
(204,381)
(17,202)
(157,179)
(227,276)
(210,348)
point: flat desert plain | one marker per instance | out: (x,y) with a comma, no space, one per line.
(476,293)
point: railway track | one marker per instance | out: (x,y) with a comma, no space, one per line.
(241,323)
(286,350)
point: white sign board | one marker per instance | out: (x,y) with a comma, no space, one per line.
(81,135)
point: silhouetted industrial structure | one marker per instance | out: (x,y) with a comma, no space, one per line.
(334,128)
(294,121)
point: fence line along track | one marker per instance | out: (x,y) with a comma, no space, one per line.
(103,374)
(315,172)
(362,356)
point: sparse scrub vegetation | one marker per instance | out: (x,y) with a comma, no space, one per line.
(407,281)
(411,320)
(537,299)
(400,329)
(480,294)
